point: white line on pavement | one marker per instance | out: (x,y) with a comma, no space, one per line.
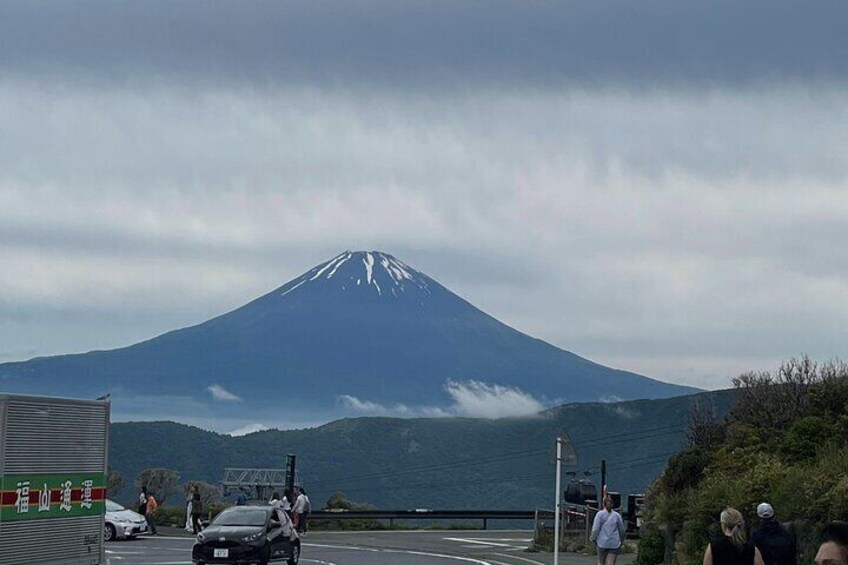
(403,551)
(479,542)
(521,558)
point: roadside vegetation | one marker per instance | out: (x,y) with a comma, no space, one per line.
(785,441)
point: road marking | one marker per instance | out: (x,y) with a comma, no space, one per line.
(340,547)
(109,562)
(533,561)
(439,555)
(479,542)
(318,561)
(405,552)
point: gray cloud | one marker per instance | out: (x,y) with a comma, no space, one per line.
(658,186)
(632,227)
(429,43)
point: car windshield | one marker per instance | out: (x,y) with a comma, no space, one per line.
(113,506)
(241,517)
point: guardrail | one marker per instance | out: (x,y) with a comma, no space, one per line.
(425,514)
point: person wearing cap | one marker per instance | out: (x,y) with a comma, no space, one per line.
(834,545)
(775,543)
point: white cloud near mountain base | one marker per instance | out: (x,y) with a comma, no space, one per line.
(477,399)
(220,393)
(248,429)
(470,399)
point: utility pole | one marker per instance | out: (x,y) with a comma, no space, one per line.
(291,460)
(558,497)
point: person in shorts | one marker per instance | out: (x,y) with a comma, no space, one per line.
(608,533)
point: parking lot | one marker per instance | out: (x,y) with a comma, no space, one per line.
(419,547)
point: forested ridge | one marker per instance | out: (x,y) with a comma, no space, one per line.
(461,463)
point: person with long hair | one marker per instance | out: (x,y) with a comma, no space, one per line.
(608,533)
(732,547)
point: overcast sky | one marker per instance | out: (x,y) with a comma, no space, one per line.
(658,186)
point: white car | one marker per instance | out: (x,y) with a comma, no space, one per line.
(122,523)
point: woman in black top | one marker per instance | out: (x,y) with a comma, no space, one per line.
(732,548)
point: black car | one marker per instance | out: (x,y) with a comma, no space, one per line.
(248,534)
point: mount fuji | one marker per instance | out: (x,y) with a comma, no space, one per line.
(360,332)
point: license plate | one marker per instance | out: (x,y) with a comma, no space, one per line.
(222,553)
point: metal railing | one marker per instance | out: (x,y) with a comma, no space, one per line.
(424,514)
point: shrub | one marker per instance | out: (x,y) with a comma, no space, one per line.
(804,437)
(173,516)
(651,547)
(684,470)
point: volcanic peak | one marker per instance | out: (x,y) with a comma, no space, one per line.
(366,269)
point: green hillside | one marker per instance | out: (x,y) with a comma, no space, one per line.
(784,442)
(438,462)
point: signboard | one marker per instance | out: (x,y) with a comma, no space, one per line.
(37,497)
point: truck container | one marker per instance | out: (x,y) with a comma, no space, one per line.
(53,457)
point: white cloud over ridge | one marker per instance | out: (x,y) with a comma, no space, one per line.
(476,399)
(470,399)
(220,393)
(248,429)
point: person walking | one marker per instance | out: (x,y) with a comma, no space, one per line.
(188,527)
(287,507)
(150,509)
(608,533)
(196,510)
(776,544)
(307,509)
(241,498)
(142,501)
(732,547)
(299,511)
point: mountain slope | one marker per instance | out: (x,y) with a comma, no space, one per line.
(363,324)
(437,463)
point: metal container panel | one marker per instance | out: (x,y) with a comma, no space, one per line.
(49,437)
(41,436)
(69,541)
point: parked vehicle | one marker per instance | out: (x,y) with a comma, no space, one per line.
(52,480)
(248,534)
(122,523)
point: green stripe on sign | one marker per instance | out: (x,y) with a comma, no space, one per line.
(38,497)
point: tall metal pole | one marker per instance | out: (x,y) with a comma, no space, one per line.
(558,495)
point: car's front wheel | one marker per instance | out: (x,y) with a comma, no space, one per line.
(109,532)
(295,556)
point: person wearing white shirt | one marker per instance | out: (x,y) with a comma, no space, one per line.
(608,533)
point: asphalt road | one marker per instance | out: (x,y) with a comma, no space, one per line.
(446,547)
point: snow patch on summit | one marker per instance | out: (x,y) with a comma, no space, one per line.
(369,267)
(382,271)
(329,264)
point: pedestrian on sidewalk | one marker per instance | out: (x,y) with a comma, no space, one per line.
(150,510)
(608,533)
